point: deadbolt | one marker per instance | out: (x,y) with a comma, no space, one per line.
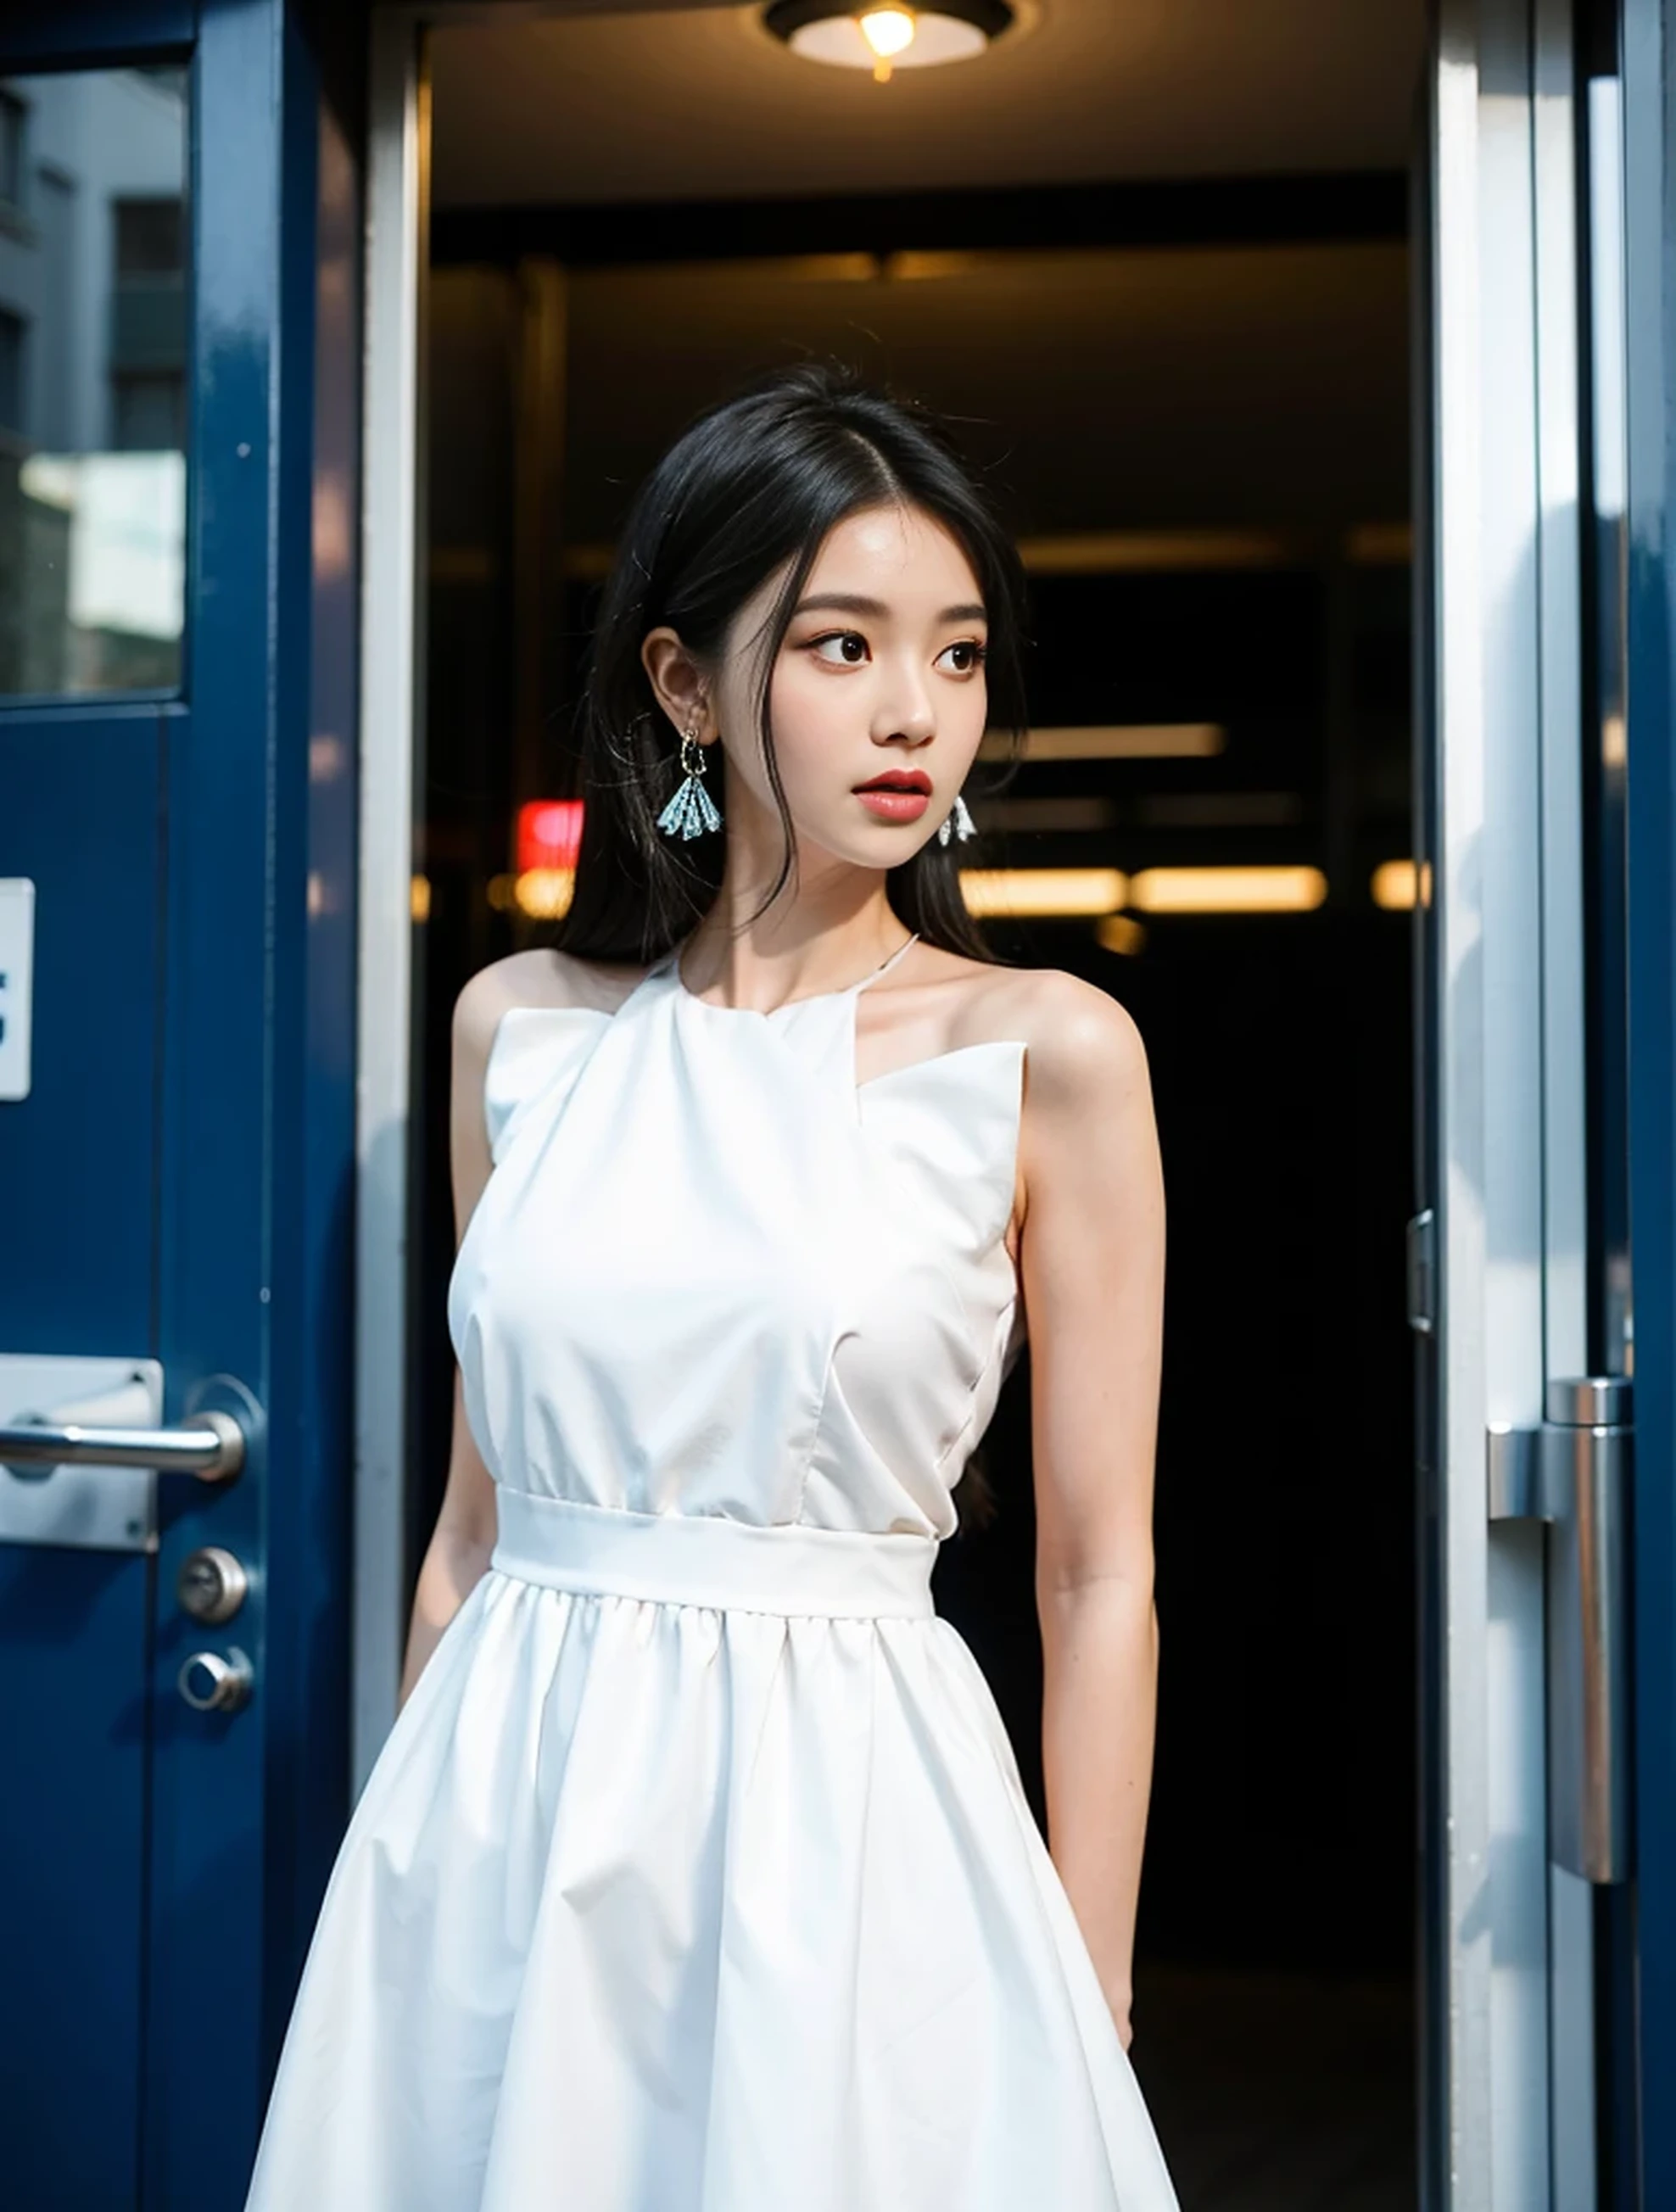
(212,1683)
(211,1585)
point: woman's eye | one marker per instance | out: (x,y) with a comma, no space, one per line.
(964,656)
(845,648)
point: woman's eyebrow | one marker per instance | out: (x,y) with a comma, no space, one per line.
(850,603)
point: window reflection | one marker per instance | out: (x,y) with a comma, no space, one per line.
(93,334)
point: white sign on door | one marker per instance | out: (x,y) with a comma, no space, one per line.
(17,961)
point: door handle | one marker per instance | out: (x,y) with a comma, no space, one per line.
(210,1445)
(1574,1472)
(84,1445)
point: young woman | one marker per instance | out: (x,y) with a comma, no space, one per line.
(696,1875)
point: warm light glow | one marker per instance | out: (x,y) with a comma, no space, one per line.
(1381,544)
(1227,891)
(1400,885)
(887,31)
(1121,933)
(419,898)
(544,893)
(882,35)
(1157,552)
(1115,741)
(1022,891)
(1395,885)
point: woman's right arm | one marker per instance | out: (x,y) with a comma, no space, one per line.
(458,1554)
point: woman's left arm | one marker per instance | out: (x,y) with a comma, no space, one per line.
(1092,1260)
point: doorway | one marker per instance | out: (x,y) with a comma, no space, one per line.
(1179,349)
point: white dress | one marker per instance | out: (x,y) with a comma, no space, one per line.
(696,1875)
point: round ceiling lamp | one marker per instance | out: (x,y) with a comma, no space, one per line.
(887,37)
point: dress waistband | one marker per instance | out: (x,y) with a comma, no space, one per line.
(690,1559)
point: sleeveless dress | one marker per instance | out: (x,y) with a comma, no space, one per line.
(696,1875)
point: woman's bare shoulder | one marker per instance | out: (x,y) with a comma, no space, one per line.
(1078,1037)
(542,976)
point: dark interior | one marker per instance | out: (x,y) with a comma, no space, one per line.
(1188,386)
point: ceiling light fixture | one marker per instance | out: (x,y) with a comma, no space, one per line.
(1045,891)
(888,36)
(1227,891)
(1121,741)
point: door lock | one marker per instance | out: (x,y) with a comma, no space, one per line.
(212,1684)
(211,1585)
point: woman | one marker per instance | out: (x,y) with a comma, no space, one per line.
(696,1875)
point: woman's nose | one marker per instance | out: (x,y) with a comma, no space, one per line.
(906,712)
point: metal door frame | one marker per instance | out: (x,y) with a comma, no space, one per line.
(390,924)
(1510,1950)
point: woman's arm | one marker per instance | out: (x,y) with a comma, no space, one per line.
(458,1551)
(1092,1270)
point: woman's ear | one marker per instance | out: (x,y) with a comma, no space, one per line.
(678,682)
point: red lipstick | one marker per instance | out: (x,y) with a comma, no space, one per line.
(898,795)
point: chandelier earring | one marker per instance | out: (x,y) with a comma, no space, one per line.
(692,810)
(958,822)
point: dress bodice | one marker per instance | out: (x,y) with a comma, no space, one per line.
(711,1274)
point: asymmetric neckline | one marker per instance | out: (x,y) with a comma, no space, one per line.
(672,961)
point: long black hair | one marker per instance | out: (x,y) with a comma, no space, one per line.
(752,485)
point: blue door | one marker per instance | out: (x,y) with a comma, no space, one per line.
(178,280)
(1647,29)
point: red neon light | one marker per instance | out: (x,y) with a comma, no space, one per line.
(549,834)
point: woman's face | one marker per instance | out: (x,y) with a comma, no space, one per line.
(877,700)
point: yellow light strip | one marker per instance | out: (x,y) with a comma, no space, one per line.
(1114,741)
(1227,891)
(1380,545)
(1021,894)
(1149,552)
(1398,885)
(1044,891)
(1394,885)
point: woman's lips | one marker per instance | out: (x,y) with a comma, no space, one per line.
(893,803)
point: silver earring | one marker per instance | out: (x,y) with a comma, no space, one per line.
(959,820)
(692,810)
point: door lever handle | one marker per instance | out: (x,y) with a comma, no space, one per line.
(210,1444)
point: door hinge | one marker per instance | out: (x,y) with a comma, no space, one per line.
(1573,1472)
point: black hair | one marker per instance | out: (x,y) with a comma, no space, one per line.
(752,485)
